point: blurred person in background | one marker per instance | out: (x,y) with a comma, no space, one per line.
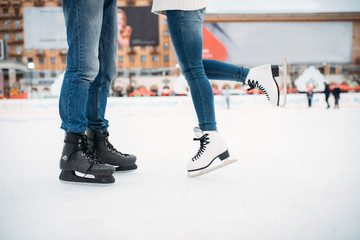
(91,28)
(327,94)
(310,95)
(336,92)
(185,24)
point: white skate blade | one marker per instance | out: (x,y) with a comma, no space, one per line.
(283,93)
(210,169)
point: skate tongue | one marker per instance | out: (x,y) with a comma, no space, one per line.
(198,132)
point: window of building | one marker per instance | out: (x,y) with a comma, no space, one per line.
(121,58)
(332,70)
(165,33)
(166,45)
(17,24)
(52,49)
(143,58)
(164,21)
(53,74)
(166,58)
(6,35)
(156,73)
(6,23)
(345,69)
(63,60)
(5,10)
(155,58)
(144,73)
(53,60)
(30,60)
(131,58)
(18,36)
(41,60)
(17,11)
(18,49)
(41,74)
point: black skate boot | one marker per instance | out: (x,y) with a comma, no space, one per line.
(78,156)
(108,153)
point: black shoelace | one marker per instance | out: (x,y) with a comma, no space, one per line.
(88,152)
(255,84)
(204,140)
(111,148)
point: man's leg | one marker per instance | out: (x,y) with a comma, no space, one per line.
(83,24)
(99,91)
(83,27)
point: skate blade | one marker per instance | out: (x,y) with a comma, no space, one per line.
(283,94)
(210,169)
(70,176)
(126,168)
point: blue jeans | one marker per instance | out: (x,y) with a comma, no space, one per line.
(186,32)
(91,28)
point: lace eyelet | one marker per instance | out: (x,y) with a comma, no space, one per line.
(79,145)
(82,154)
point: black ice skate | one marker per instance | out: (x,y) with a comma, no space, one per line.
(108,153)
(78,157)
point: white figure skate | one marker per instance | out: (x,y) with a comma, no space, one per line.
(213,153)
(263,78)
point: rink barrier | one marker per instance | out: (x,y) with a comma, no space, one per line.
(348,100)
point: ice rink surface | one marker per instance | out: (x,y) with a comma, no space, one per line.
(297,177)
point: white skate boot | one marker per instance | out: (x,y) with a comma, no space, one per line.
(213,153)
(263,77)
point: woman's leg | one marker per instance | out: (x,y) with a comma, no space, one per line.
(216,70)
(185,29)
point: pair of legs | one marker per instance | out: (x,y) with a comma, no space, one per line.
(91,28)
(327,100)
(309,97)
(186,31)
(337,102)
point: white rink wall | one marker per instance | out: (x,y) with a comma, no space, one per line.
(347,100)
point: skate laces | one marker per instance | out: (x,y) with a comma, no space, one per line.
(255,84)
(87,149)
(203,142)
(110,147)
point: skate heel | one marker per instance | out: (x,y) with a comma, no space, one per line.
(275,70)
(224,155)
